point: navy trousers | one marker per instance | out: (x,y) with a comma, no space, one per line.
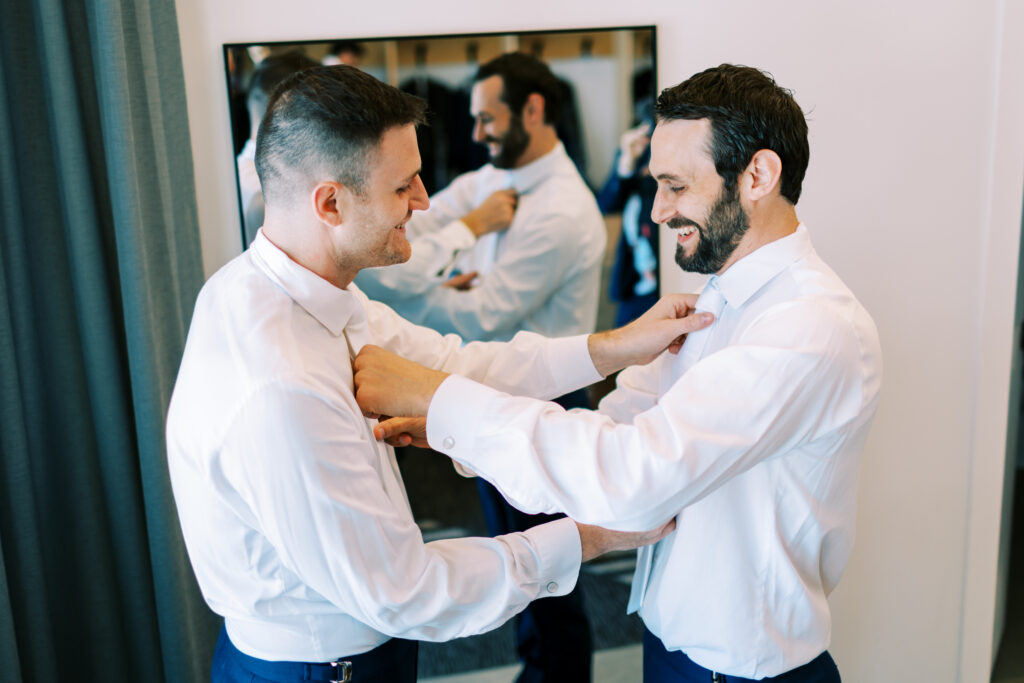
(663,666)
(392,662)
(552,634)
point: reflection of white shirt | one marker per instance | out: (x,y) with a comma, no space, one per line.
(751,437)
(542,274)
(295,518)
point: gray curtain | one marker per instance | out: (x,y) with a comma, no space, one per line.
(99,268)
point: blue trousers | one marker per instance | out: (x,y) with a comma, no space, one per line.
(664,666)
(552,634)
(393,662)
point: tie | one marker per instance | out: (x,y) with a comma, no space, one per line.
(357,335)
(712,301)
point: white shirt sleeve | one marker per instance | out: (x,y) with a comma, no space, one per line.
(531,268)
(529,364)
(783,384)
(305,471)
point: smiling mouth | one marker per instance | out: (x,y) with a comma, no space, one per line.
(686,233)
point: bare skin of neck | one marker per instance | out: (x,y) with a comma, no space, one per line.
(771,218)
(542,141)
(305,241)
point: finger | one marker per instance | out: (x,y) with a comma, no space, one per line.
(398,440)
(669,527)
(460,281)
(366,354)
(697,321)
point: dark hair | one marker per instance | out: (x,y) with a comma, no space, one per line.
(521,76)
(340,46)
(748,111)
(268,75)
(325,121)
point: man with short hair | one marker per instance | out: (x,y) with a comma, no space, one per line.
(294,516)
(516,245)
(750,438)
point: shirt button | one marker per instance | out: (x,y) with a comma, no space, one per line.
(552,586)
(448,443)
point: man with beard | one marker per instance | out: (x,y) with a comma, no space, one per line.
(516,245)
(750,437)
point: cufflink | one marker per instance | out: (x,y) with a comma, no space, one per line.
(448,443)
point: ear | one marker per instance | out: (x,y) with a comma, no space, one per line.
(533,110)
(330,201)
(763,174)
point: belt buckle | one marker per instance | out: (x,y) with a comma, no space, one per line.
(342,673)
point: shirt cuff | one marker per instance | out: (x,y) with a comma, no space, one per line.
(458,408)
(448,429)
(560,551)
(570,362)
(458,235)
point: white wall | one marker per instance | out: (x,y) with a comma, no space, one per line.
(913,195)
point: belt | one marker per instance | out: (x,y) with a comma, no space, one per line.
(378,664)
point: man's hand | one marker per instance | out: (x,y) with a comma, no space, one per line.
(495,213)
(664,326)
(631,145)
(462,282)
(387,384)
(402,431)
(598,540)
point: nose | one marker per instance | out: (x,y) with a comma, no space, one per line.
(418,200)
(661,210)
(478,131)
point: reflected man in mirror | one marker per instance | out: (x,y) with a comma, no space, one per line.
(268,75)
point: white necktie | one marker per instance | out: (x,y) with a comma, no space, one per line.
(357,335)
(712,301)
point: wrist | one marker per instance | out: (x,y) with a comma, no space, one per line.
(474,224)
(430,388)
(601,346)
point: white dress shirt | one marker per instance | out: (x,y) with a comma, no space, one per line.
(542,274)
(295,518)
(751,437)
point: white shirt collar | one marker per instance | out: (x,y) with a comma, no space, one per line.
(333,307)
(753,271)
(526,178)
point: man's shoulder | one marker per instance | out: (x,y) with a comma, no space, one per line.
(809,305)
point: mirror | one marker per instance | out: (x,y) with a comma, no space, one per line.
(608,78)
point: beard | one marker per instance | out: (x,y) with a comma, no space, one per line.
(717,239)
(513,143)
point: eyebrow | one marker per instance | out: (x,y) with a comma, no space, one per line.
(669,176)
(412,176)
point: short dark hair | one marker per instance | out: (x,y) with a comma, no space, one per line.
(748,111)
(521,76)
(268,74)
(327,120)
(341,46)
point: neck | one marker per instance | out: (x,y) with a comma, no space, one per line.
(309,247)
(541,142)
(767,224)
